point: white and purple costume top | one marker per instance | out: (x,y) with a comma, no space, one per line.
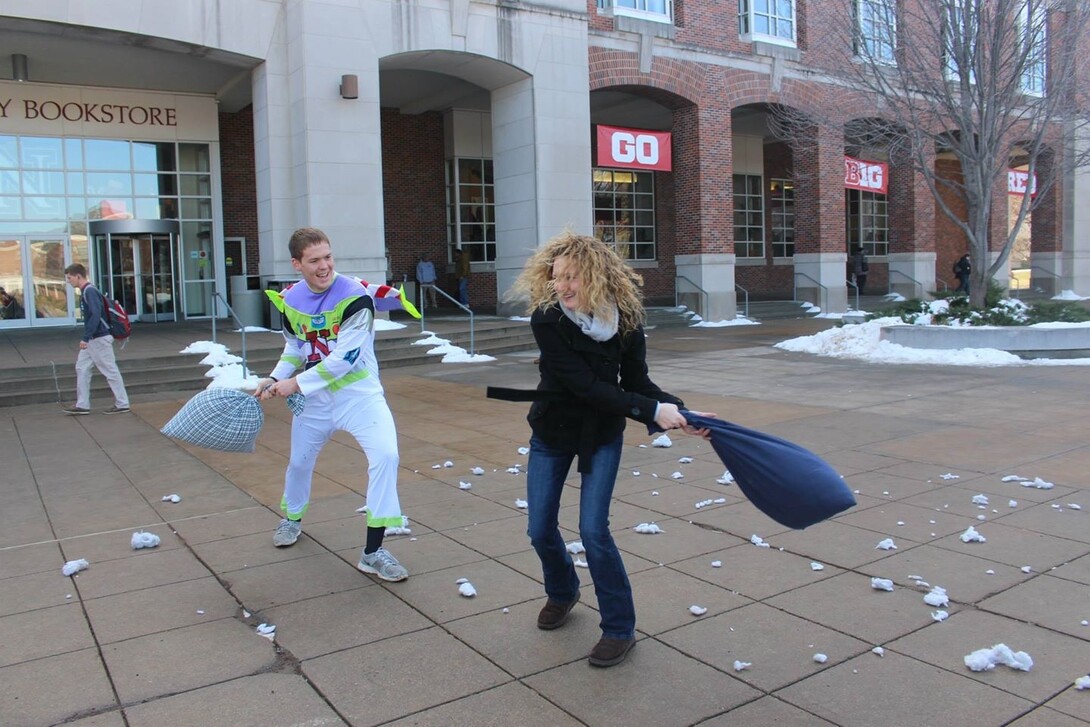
(330,335)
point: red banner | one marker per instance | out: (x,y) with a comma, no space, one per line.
(1018,181)
(634,148)
(868,176)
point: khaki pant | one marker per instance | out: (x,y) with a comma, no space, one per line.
(100,354)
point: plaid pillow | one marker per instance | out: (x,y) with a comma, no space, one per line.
(228,420)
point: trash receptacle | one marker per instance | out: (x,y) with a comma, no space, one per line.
(246,303)
(274,319)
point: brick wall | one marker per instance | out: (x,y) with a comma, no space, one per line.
(238,181)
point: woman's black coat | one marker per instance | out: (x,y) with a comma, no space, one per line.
(588,388)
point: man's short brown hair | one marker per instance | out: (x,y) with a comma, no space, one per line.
(303,238)
(76,269)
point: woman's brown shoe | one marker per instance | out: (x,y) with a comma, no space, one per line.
(554,614)
(609,651)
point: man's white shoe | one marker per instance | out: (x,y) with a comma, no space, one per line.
(287,532)
(383,564)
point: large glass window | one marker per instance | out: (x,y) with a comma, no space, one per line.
(624,211)
(781,206)
(661,10)
(868,222)
(471,208)
(749,216)
(54,186)
(876,30)
(768,20)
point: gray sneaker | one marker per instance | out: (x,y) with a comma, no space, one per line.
(383,564)
(287,532)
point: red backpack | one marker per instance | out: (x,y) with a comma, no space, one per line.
(117,318)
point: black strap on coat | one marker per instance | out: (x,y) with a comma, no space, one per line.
(587,426)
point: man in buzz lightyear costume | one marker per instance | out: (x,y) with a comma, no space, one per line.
(329,327)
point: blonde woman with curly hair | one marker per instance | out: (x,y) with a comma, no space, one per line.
(587,317)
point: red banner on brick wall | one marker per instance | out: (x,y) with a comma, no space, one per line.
(868,176)
(1018,181)
(634,148)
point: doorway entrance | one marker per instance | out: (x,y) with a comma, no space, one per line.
(136,262)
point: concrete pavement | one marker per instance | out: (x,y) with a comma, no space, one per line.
(166,636)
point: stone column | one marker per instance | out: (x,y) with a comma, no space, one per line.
(820,248)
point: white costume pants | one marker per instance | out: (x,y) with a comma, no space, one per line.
(368,419)
(99,353)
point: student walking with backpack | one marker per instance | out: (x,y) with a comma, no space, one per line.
(96,349)
(962,269)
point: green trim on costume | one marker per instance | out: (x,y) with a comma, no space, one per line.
(338,384)
(295,361)
(396,521)
(300,322)
(407,304)
(296,516)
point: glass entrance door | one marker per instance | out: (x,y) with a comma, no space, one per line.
(32,287)
(139,270)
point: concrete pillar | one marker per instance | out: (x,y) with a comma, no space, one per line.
(820,247)
(705,208)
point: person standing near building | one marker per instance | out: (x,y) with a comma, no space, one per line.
(96,348)
(586,315)
(329,327)
(425,276)
(962,268)
(462,270)
(859,268)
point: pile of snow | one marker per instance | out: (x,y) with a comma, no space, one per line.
(863,342)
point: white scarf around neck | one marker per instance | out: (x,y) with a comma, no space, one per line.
(601,327)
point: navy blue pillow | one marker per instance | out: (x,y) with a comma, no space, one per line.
(789,483)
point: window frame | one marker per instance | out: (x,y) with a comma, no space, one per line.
(746,23)
(1034,35)
(642,221)
(481,250)
(863,216)
(876,27)
(781,208)
(753,191)
(614,7)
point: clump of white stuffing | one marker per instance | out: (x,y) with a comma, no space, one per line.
(648,529)
(886,544)
(740,665)
(144,540)
(726,479)
(266,630)
(972,536)
(987,659)
(73,567)
(881,584)
(477,470)
(758,541)
(820,658)
(940,615)
(697,610)
(466,588)
(1082,683)
(575,546)
(662,441)
(937,597)
(521,504)
(464,485)
(172,498)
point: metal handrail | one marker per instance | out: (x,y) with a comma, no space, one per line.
(1048,274)
(909,277)
(238,322)
(472,339)
(703,293)
(746,294)
(795,290)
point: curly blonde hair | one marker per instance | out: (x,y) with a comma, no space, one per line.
(605,279)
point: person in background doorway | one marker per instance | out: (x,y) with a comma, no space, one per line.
(96,349)
(329,331)
(586,315)
(9,306)
(425,277)
(859,268)
(962,268)
(462,270)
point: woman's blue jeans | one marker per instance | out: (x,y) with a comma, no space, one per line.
(545,474)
